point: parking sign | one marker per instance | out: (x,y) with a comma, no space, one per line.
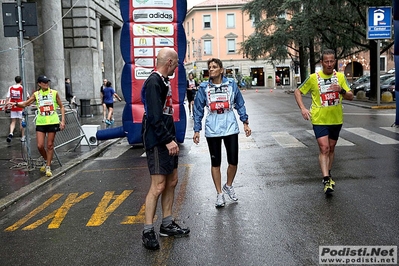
(379,23)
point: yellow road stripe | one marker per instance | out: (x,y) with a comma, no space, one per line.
(33,213)
(59,214)
(103,210)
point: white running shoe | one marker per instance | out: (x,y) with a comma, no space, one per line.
(229,190)
(220,201)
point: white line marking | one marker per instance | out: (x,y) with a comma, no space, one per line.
(286,140)
(370,135)
(392,129)
(115,152)
(340,142)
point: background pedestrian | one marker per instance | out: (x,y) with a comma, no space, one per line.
(15,94)
(192,87)
(109,94)
(102,100)
(68,90)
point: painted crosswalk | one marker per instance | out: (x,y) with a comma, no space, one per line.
(372,136)
(286,140)
(341,141)
(368,135)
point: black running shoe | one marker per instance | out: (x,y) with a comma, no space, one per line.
(173,230)
(150,240)
(9,138)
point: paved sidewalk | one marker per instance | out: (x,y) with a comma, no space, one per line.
(19,178)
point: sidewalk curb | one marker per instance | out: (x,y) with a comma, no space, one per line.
(359,104)
(13,197)
(383,107)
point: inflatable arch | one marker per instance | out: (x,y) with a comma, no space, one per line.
(148,26)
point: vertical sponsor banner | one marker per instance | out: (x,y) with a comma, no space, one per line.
(150,25)
(395,6)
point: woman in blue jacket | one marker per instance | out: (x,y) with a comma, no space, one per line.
(219,96)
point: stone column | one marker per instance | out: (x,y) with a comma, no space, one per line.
(53,45)
(108,55)
(98,36)
(118,60)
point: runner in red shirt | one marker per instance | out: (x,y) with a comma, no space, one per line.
(15,94)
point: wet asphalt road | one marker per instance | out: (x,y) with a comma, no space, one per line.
(93,214)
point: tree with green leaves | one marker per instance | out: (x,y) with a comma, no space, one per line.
(301,29)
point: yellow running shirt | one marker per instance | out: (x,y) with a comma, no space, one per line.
(326,108)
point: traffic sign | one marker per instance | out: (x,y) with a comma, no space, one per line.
(379,23)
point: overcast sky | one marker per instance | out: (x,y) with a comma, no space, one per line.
(191,3)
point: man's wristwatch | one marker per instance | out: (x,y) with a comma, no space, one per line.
(343,92)
(246,123)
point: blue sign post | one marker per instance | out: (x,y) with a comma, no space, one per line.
(379,26)
(379,23)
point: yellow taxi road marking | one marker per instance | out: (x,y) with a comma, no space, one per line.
(58,215)
(33,213)
(71,200)
(137,219)
(122,169)
(103,210)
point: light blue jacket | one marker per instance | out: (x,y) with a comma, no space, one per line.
(223,123)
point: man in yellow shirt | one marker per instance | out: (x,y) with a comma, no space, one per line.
(328,88)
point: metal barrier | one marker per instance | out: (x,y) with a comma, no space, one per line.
(72,132)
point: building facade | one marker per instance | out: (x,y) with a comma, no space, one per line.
(215,29)
(78,39)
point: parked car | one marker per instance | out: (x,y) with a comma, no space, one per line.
(388,85)
(382,79)
(358,85)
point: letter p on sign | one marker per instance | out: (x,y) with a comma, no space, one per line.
(378,17)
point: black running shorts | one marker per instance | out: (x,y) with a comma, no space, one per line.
(48,128)
(160,162)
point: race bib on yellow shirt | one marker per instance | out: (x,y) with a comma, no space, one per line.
(46,106)
(328,97)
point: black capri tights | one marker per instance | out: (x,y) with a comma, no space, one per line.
(215,149)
